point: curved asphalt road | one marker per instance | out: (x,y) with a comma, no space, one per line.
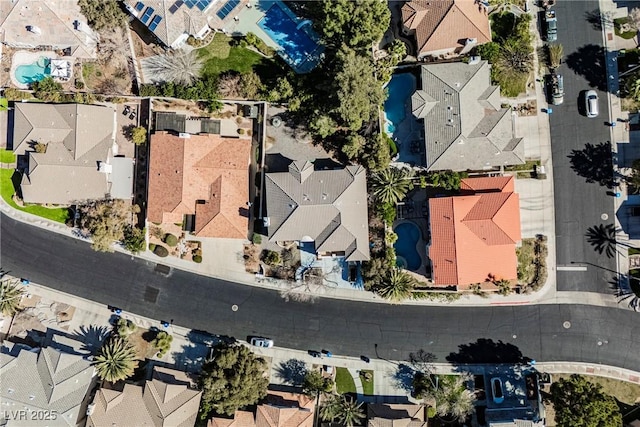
(345,327)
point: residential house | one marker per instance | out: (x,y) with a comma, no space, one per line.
(173,21)
(43,386)
(465,126)
(324,208)
(71,152)
(202,180)
(280,409)
(446,27)
(168,399)
(474,235)
(511,397)
(47,25)
(396,415)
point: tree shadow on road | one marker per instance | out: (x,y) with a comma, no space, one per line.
(597,19)
(589,62)
(627,290)
(292,371)
(402,377)
(603,239)
(594,163)
(487,351)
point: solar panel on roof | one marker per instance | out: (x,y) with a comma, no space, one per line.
(225,10)
(139,6)
(203,4)
(154,22)
(173,8)
(147,14)
(190,3)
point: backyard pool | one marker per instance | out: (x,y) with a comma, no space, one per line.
(406,246)
(297,47)
(30,73)
(400,89)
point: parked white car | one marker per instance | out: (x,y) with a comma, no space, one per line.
(261,342)
(591,103)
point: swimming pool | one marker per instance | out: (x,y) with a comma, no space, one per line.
(406,246)
(296,45)
(30,73)
(400,89)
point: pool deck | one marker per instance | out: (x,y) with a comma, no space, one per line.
(409,136)
(24,57)
(247,22)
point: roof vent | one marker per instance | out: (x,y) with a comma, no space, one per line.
(184,135)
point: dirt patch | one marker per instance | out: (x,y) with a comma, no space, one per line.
(144,349)
(529,108)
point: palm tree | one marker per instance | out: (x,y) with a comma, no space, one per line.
(504,286)
(453,399)
(556,52)
(178,67)
(116,361)
(10,296)
(397,287)
(330,408)
(351,412)
(391,185)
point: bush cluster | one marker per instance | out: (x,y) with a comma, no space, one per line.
(170,240)
(161,251)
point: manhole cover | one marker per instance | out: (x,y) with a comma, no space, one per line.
(276,122)
(163,269)
(234,307)
(604,217)
(151,294)
(566,324)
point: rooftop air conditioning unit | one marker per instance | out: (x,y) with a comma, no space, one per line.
(90,408)
(266,221)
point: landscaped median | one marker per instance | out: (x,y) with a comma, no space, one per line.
(9,183)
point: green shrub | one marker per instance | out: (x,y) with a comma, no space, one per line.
(152,246)
(271,257)
(79,84)
(241,131)
(16,95)
(170,240)
(256,239)
(197,259)
(161,251)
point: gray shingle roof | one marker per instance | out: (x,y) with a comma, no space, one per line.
(328,206)
(79,137)
(465,126)
(166,400)
(44,379)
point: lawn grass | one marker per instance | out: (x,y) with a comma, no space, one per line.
(529,165)
(7,156)
(634,251)
(7,190)
(344,381)
(4,104)
(624,391)
(367,386)
(220,56)
(618,23)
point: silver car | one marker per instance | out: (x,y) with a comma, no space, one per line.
(591,103)
(262,342)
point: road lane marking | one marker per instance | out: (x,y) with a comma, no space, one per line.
(571,268)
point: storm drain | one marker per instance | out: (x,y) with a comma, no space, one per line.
(151,294)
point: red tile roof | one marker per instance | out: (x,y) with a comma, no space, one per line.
(205,175)
(474,236)
(441,24)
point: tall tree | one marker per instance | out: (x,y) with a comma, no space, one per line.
(342,409)
(181,67)
(116,360)
(356,23)
(315,383)
(103,14)
(453,398)
(107,221)
(358,92)
(10,296)
(233,378)
(581,403)
(397,286)
(391,185)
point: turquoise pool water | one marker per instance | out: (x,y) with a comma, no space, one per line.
(400,89)
(406,245)
(297,44)
(30,73)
